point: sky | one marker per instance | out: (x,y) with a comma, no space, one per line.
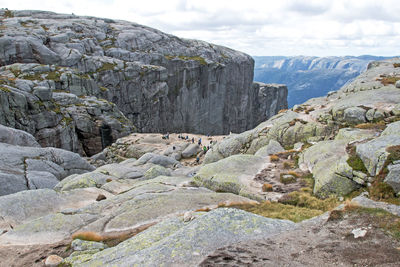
(257,27)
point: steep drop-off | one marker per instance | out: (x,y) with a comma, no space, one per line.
(158,81)
(308,77)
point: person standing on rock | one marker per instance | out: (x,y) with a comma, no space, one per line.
(199,143)
(192,140)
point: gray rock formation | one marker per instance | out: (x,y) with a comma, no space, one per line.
(23,168)
(51,103)
(160,82)
(178,243)
(16,137)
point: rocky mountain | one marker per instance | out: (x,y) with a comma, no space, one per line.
(308,77)
(72,70)
(323,175)
(314,185)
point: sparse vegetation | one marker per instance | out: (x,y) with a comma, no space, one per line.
(287,178)
(388,80)
(396,65)
(372,125)
(274,158)
(354,160)
(8,14)
(267,187)
(107,66)
(5,89)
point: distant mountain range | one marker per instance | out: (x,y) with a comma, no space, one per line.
(308,77)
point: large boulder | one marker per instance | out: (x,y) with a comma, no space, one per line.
(16,137)
(326,160)
(374,154)
(233,174)
(139,205)
(23,168)
(272,148)
(175,242)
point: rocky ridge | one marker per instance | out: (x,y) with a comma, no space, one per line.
(158,81)
(150,202)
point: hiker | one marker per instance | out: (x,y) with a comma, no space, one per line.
(199,143)
(167,136)
(187,137)
(204,149)
(192,140)
(197,159)
(173,148)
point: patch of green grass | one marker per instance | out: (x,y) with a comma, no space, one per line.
(67,120)
(281,211)
(355,161)
(33,77)
(107,66)
(199,59)
(16,72)
(5,89)
(54,75)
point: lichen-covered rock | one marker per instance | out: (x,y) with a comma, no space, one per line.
(326,160)
(191,151)
(175,242)
(393,177)
(374,154)
(354,134)
(155,171)
(272,148)
(392,129)
(157,159)
(354,115)
(233,174)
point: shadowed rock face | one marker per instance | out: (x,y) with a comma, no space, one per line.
(160,82)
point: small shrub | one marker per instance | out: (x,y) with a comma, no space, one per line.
(282,111)
(373,125)
(288,165)
(267,187)
(380,191)
(107,66)
(396,65)
(274,158)
(389,80)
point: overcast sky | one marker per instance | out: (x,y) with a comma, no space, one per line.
(257,27)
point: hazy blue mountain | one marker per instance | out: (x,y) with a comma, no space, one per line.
(308,77)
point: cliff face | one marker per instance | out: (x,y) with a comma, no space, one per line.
(308,77)
(160,82)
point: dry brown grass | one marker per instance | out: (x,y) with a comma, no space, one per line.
(267,187)
(274,158)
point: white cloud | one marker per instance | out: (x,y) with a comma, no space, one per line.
(258,27)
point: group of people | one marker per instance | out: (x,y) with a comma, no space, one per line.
(199,142)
